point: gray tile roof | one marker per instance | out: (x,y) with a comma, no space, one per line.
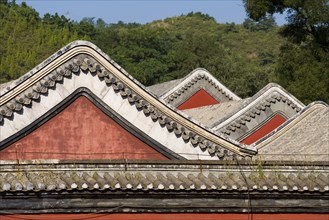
(262,100)
(211,114)
(3,87)
(304,137)
(177,91)
(162,88)
(111,79)
(162,177)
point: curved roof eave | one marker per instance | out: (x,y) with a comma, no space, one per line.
(290,123)
(195,75)
(82,56)
(271,90)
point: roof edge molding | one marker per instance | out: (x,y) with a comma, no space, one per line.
(82,91)
(82,59)
(290,123)
(192,78)
(270,94)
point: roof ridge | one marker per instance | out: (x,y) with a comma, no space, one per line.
(193,77)
(290,123)
(269,94)
(82,58)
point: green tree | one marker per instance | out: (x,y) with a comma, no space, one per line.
(304,72)
(155,52)
(265,23)
(86,27)
(303,64)
(26,39)
(308,20)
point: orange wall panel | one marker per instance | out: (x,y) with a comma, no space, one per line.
(80,131)
(198,99)
(269,126)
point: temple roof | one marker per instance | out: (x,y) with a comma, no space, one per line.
(161,88)
(209,132)
(270,95)
(206,169)
(81,68)
(303,137)
(176,92)
(164,176)
(211,114)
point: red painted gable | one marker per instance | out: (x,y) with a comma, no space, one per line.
(80,131)
(198,99)
(269,126)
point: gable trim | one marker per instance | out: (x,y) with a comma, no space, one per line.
(193,78)
(289,124)
(263,125)
(82,56)
(266,97)
(105,109)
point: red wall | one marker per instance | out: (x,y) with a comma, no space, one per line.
(166,216)
(269,126)
(80,131)
(198,99)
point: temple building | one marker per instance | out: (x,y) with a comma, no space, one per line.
(80,138)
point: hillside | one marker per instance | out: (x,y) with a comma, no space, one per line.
(243,57)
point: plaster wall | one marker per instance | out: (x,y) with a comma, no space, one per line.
(265,129)
(80,131)
(198,99)
(114,101)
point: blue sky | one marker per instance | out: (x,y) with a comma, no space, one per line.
(143,11)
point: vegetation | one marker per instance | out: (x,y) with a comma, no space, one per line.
(244,57)
(26,39)
(302,67)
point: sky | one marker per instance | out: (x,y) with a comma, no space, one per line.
(143,11)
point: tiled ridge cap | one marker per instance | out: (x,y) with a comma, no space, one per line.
(57,55)
(46,62)
(252,115)
(259,102)
(160,88)
(46,76)
(162,181)
(192,78)
(290,122)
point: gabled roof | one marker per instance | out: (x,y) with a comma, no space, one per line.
(176,92)
(162,88)
(4,86)
(269,95)
(211,114)
(82,65)
(304,137)
(238,119)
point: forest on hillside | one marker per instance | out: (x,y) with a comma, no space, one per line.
(244,57)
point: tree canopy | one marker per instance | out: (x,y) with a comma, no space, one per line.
(302,67)
(244,57)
